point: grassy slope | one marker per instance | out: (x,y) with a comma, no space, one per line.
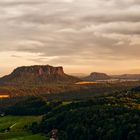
(17,132)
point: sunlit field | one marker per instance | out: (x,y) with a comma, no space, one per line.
(14,128)
(4,96)
(86,83)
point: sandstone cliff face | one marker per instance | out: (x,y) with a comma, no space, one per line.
(97,76)
(37,75)
(38,70)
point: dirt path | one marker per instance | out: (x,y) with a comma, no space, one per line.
(12,125)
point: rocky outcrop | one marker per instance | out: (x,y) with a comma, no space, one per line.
(38,70)
(37,75)
(97,76)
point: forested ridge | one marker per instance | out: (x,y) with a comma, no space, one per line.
(114,117)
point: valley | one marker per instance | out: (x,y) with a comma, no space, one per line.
(52,104)
(69,69)
(113,116)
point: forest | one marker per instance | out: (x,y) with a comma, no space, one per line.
(114,116)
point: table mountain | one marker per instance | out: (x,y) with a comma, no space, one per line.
(94,76)
(37,75)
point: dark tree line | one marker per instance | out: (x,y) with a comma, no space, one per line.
(92,121)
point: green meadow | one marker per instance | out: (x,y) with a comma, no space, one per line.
(14,128)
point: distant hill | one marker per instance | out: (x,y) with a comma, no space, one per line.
(94,76)
(127,76)
(37,75)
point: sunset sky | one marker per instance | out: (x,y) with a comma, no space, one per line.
(81,35)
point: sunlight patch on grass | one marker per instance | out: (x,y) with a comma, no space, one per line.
(86,83)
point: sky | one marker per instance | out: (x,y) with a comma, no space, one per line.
(83,36)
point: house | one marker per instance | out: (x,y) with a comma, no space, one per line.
(54,133)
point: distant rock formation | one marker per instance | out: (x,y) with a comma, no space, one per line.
(37,75)
(94,76)
(127,76)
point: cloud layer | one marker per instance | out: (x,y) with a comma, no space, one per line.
(99,34)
